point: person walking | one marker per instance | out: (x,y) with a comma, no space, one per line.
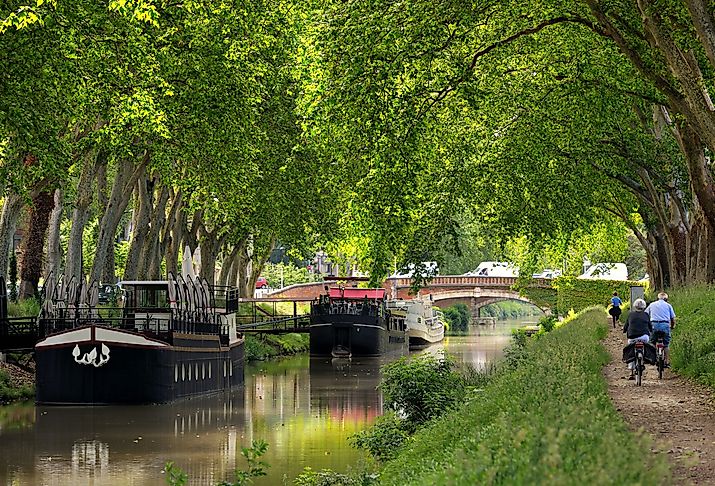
(615,309)
(662,318)
(637,328)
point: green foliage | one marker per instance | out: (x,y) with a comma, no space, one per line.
(547,323)
(256,468)
(548,420)
(546,298)
(266,346)
(175,476)
(11,393)
(692,348)
(24,308)
(384,438)
(327,477)
(510,309)
(291,274)
(421,388)
(577,294)
(458,318)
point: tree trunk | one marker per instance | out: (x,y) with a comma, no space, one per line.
(227,266)
(173,233)
(34,243)
(80,216)
(144,195)
(150,255)
(127,175)
(54,250)
(11,210)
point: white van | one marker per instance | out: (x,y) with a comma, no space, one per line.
(606,271)
(495,269)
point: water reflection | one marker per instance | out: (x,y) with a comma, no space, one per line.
(305,409)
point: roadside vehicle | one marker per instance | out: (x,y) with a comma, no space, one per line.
(261,283)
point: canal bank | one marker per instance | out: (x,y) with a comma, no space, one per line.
(305,409)
(544,418)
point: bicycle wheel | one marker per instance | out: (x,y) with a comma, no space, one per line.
(639,370)
(661,367)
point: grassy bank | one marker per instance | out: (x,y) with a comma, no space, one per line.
(15,384)
(266,346)
(693,347)
(547,420)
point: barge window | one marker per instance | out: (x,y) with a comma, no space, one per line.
(189,367)
(203,371)
(183,372)
(209,370)
(196,369)
(176,373)
(224,369)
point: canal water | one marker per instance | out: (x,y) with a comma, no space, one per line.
(304,408)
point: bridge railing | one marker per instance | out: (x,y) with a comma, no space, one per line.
(468,280)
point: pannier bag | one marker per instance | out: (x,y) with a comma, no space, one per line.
(650,354)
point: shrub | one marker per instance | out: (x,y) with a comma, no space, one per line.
(548,323)
(383,439)
(327,477)
(421,388)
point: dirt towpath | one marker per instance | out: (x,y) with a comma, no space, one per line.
(678,414)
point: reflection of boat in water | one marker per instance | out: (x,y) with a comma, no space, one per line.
(170,340)
(341,352)
(347,389)
(425,323)
(355,321)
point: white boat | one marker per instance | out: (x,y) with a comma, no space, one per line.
(425,323)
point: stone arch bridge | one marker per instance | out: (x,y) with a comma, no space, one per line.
(475,292)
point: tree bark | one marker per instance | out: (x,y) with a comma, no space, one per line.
(33,245)
(80,216)
(53,262)
(11,211)
(151,256)
(127,175)
(144,194)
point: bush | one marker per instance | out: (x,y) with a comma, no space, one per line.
(421,388)
(24,308)
(458,318)
(548,420)
(326,477)
(578,294)
(266,346)
(548,323)
(383,439)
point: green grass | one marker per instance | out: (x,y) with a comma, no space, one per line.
(548,420)
(24,308)
(693,339)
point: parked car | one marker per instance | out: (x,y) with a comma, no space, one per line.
(261,283)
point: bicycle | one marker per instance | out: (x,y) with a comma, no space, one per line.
(640,361)
(660,353)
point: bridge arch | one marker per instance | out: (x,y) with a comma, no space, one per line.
(477,298)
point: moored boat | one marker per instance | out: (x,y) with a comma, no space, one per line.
(424,322)
(354,322)
(170,339)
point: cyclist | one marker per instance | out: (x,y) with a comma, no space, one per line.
(615,309)
(637,328)
(662,318)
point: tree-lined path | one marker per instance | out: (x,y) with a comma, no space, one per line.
(678,414)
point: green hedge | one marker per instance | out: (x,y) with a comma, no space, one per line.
(578,294)
(549,420)
(546,298)
(693,342)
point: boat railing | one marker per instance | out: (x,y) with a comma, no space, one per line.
(348,308)
(147,325)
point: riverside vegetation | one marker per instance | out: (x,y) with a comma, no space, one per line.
(541,416)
